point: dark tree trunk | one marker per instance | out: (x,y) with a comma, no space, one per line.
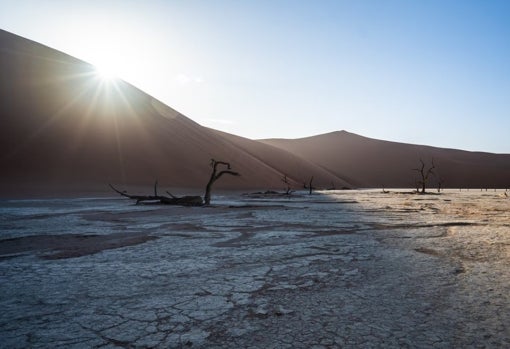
(288,188)
(215,176)
(424,174)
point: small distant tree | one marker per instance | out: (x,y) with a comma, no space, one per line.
(439,184)
(309,186)
(424,176)
(215,176)
(287,188)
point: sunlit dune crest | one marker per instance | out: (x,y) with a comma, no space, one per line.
(68,127)
(163,109)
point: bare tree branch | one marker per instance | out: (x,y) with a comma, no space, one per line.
(215,176)
(288,188)
(233,173)
(424,174)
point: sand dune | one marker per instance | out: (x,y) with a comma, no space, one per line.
(368,162)
(65,130)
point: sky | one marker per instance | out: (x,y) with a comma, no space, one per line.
(422,72)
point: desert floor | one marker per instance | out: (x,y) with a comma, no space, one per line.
(339,269)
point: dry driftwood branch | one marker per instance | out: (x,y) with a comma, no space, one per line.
(138,198)
(173,200)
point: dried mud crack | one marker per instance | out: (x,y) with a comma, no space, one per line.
(348,274)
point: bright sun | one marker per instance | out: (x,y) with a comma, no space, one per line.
(106,71)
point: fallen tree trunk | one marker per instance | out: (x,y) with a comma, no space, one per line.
(166,200)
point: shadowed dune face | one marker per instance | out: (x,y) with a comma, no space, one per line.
(367,162)
(65,129)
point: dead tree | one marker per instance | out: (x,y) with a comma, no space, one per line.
(440,182)
(287,189)
(166,200)
(310,186)
(215,176)
(424,174)
(184,200)
(417,185)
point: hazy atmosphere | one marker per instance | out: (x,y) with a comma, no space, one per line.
(254,174)
(422,72)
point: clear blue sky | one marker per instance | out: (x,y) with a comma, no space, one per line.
(427,72)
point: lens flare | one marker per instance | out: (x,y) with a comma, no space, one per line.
(106,72)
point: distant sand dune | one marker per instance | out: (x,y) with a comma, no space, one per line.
(64,131)
(370,162)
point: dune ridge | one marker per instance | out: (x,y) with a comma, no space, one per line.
(64,130)
(367,162)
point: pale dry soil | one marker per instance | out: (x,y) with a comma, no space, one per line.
(352,269)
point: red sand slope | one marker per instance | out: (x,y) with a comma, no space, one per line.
(64,131)
(368,162)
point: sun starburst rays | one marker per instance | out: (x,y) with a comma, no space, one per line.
(88,105)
